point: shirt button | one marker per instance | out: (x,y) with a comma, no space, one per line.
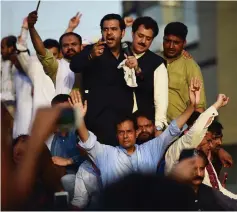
(196,200)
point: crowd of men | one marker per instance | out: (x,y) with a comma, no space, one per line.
(143,137)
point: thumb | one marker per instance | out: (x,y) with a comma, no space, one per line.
(125,56)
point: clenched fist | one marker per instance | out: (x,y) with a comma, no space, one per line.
(32,19)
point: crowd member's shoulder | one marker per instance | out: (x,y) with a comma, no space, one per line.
(189,61)
(156,57)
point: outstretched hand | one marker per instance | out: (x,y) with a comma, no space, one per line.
(76,102)
(195,91)
(75,21)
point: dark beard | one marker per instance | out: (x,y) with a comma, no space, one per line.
(141,140)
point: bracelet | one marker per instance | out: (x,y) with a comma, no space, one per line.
(24,27)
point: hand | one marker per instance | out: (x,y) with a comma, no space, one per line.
(32,19)
(62,161)
(222,100)
(98,49)
(195,91)
(131,62)
(225,158)
(186,54)
(184,171)
(128,21)
(76,102)
(158,132)
(74,21)
(25,23)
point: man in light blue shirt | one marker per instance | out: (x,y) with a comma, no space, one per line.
(117,162)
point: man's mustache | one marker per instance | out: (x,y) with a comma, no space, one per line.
(71,50)
(198,178)
(144,133)
(142,44)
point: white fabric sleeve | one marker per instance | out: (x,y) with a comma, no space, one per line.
(191,139)
(161,95)
(81,196)
(23,57)
(24,37)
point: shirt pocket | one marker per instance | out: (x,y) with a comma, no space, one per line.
(175,81)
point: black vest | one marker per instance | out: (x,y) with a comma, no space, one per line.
(148,63)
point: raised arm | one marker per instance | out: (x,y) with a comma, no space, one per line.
(35,38)
(22,38)
(194,96)
(74,22)
(195,134)
(46,58)
(88,140)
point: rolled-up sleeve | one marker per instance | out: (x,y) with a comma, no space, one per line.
(191,139)
(92,146)
(158,145)
(50,64)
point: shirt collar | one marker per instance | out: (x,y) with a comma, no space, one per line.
(138,55)
(170,60)
(125,151)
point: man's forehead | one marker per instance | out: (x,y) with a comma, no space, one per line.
(128,124)
(141,120)
(173,37)
(111,23)
(69,38)
(147,32)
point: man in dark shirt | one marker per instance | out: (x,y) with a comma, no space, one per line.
(206,198)
(105,89)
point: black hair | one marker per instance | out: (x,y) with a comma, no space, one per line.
(11,41)
(22,137)
(50,43)
(60,98)
(148,115)
(176,28)
(68,34)
(188,153)
(193,118)
(113,16)
(148,23)
(124,118)
(216,128)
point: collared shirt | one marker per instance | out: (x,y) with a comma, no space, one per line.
(180,72)
(115,163)
(87,185)
(191,139)
(66,147)
(207,182)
